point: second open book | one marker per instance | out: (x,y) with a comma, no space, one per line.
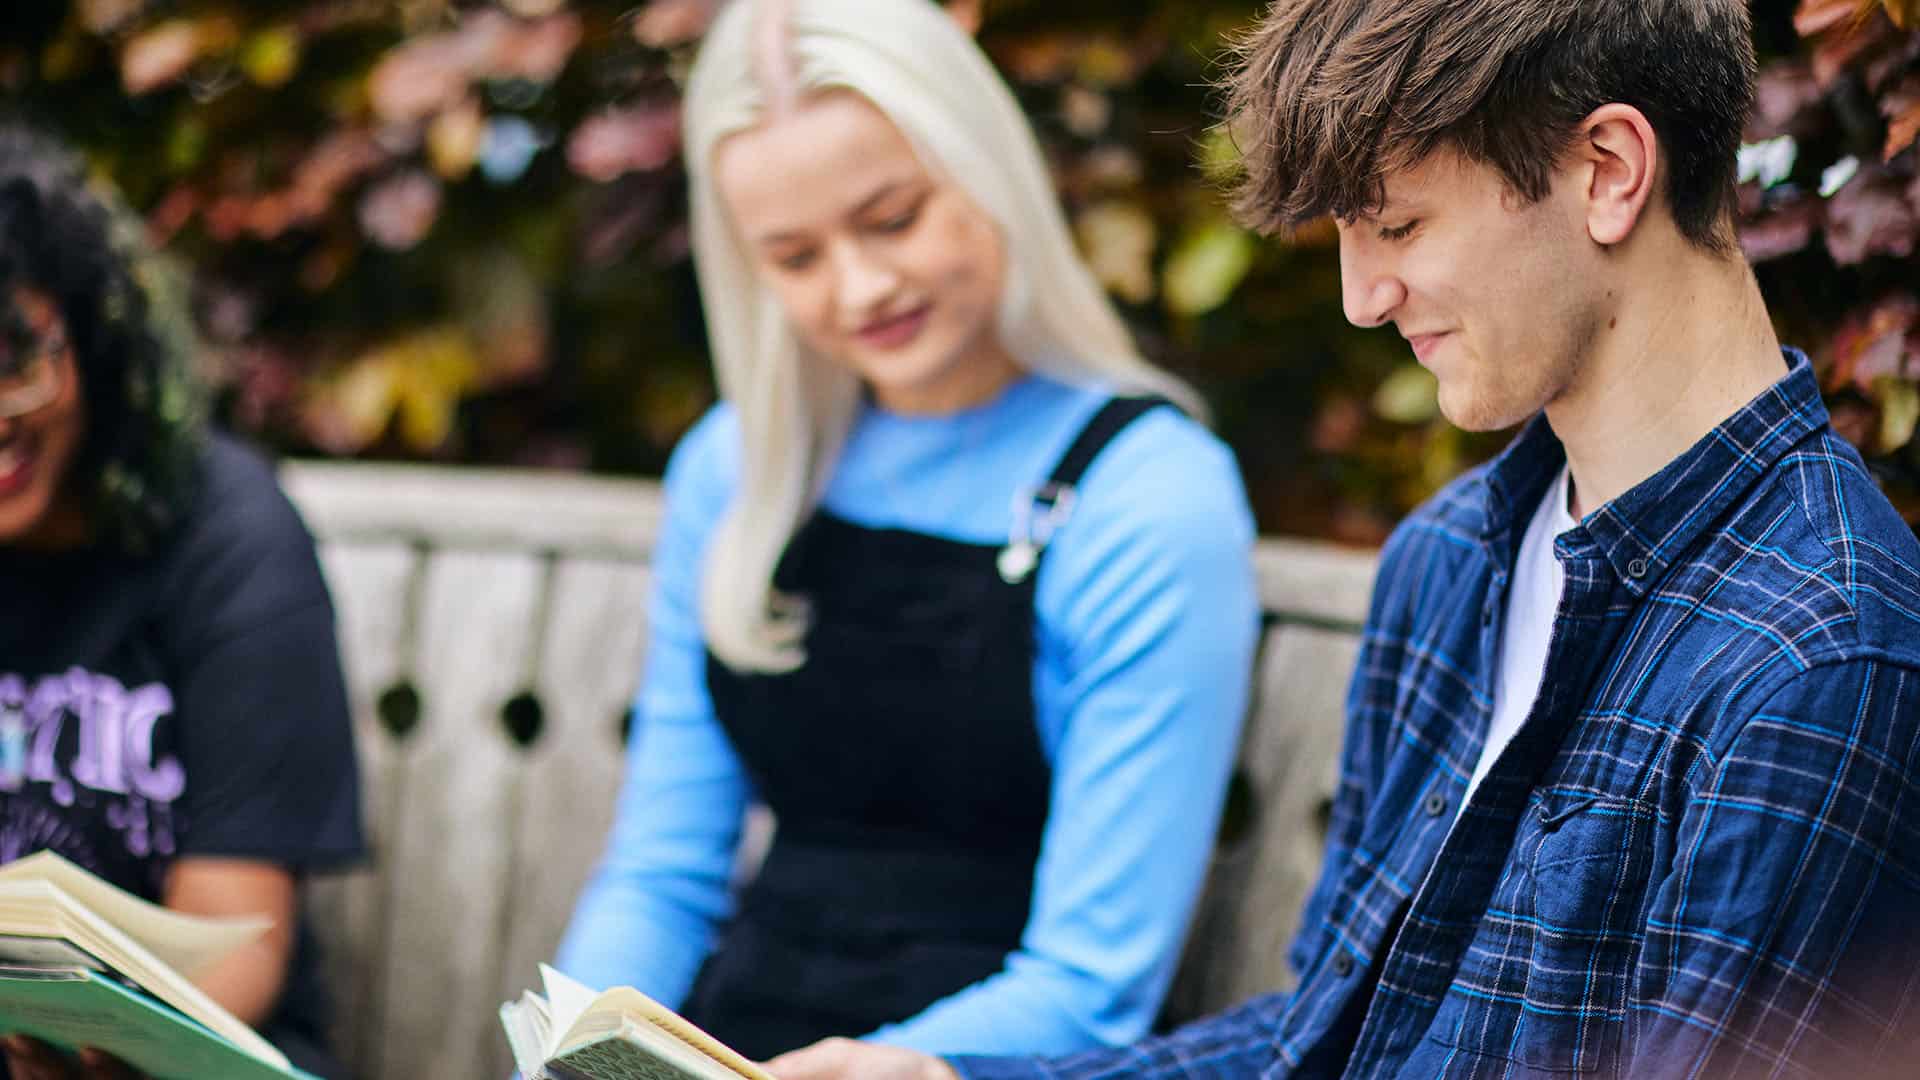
(573,1033)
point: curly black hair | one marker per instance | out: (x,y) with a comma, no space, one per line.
(138,467)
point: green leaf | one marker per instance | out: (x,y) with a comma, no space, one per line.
(1411,395)
(1209,264)
(271,57)
(1899,411)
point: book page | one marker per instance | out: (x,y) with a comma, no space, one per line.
(188,944)
(567,1000)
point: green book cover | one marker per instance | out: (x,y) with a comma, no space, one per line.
(72,1007)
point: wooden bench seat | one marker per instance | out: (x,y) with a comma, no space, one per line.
(492,623)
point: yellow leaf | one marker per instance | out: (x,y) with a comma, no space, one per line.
(1904,13)
(1411,395)
(271,56)
(437,368)
(417,380)
(360,401)
(1209,264)
(454,138)
(1899,411)
(1117,239)
(1220,158)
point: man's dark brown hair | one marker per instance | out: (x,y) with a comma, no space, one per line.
(1330,96)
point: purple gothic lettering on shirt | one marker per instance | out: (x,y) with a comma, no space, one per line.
(112,743)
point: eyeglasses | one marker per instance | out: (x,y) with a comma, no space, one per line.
(30,379)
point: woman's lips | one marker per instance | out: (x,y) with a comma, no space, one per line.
(17,457)
(895,330)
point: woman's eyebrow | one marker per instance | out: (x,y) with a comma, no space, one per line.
(867,203)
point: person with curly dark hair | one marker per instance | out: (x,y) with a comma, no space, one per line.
(172,712)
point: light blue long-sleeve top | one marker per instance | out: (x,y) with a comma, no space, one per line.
(1146,618)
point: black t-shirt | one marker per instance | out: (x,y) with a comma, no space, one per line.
(186,703)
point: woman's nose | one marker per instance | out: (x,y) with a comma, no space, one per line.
(864,281)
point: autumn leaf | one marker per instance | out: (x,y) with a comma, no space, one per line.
(621,140)
(1901,107)
(418,79)
(159,56)
(414,385)
(1870,216)
(397,212)
(1819,16)
(1781,231)
(1117,239)
(663,24)
(1411,395)
(1904,14)
(1872,345)
(106,16)
(1899,412)
(455,137)
(1206,267)
(271,56)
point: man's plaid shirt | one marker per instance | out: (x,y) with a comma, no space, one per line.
(1700,857)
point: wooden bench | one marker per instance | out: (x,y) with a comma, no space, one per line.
(491,624)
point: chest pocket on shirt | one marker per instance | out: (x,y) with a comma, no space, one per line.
(1544,982)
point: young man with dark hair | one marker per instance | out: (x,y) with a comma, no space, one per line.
(1629,780)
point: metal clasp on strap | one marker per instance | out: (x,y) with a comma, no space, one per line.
(1038,514)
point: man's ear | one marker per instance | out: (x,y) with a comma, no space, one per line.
(1617,145)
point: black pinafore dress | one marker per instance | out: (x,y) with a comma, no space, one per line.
(904,767)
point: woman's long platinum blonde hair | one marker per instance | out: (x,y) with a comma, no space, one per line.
(913,63)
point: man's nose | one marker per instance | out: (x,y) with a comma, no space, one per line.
(1369,290)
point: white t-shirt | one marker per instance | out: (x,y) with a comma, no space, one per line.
(1532,599)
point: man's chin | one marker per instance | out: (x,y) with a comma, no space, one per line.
(1477,414)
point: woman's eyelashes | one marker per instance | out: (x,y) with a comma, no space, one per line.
(897,222)
(798,258)
(795,261)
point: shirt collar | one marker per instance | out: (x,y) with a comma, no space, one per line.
(1642,531)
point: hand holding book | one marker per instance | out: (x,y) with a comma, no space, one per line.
(31,1059)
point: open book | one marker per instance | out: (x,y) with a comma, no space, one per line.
(83,963)
(573,1033)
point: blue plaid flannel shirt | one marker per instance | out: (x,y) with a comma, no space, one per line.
(1700,857)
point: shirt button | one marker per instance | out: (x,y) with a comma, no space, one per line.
(1637,569)
(1342,963)
(1435,805)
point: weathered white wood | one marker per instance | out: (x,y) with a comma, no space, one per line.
(1290,763)
(371,589)
(565,788)
(447,863)
(505,509)
(1313,581)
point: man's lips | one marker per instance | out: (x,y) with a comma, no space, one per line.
(895,330)
(1425,344)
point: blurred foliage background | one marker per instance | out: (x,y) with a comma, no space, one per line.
(454,230)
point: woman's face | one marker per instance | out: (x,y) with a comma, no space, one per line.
(882,266)
(41,419)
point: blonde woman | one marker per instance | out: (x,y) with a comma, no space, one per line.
(948,581)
